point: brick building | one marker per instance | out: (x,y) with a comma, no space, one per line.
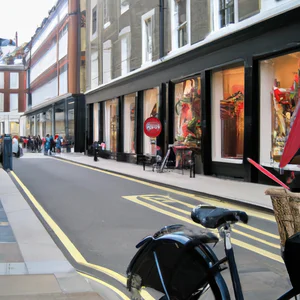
(55,82)
(12,97)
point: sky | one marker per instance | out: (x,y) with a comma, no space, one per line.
(23,16)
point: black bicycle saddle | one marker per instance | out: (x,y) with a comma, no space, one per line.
(214,217)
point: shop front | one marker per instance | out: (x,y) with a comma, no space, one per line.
(65,118)
(228,101)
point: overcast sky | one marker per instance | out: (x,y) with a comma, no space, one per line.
(23,16)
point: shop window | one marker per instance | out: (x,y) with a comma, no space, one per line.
(47,128)
(180,23)
(111,124)
(107,61)
(14,128)
(147,36)
(14,103)
(187,125)
(279,94)
(228,115)
(60,127)
(14,80)
(71,124)
(129,123)
(150,110)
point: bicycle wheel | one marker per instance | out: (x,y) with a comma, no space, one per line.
(215,290)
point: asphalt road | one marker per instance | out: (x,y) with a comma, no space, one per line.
(105,216)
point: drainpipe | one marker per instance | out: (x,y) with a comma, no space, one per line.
(161,28)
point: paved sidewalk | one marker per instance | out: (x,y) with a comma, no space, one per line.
(31,265)
(249,193)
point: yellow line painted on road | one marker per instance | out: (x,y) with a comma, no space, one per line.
(77,256)
(148,198)
(165,199)
(181,218)
(118,292)
(250,212)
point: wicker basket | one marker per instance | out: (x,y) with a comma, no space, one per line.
(286,207)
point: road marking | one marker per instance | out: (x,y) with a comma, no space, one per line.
(118,292)
(77,256)
(168,199)
(211,201)
(178,217)
(189,213)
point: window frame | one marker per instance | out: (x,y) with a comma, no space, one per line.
(147,16)
(124,8)
(125,35)
(216,16)
(10,81)
(106,19)
(94,20)
(107,46)
(175,27)
(10,98)
(216,134)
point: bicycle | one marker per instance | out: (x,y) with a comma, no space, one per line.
(182,266)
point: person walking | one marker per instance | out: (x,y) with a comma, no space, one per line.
(15,146)
(58,144)
(47,149)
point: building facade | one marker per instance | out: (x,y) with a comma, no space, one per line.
(220,75)
(12,95)
(55,64)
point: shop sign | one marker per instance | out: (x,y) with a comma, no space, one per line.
(152,127)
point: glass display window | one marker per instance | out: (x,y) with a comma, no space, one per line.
(151,98)
(129,123)
(71,123)
(111,124)
(187,125)
(48,122)
(279,95)
(60,127)
(228,114)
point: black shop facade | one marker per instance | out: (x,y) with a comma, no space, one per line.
(232,99)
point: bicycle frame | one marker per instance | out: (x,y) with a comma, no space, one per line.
(225,232)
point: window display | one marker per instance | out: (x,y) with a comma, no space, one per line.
(150,110)
(60,127)
(129,123)
(71,125)
(228,114)
(111,124)
(187,123)
(279,92)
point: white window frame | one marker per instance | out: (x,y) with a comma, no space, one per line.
(124,36)
(16,86)
(175,27)
(107,47)
(106,19)
(94,34)
(124,7)
(10,102)
(145,17)
(1,80)
(215,14)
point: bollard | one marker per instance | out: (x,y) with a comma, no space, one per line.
(7,153)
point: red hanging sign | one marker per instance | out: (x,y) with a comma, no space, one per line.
(152,127)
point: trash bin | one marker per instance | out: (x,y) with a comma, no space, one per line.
(7,153)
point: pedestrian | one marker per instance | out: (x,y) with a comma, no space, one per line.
(58,144)
(15,146)
(52,144)
(47,149)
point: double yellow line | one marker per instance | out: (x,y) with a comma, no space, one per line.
(237,242)
(76,255)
